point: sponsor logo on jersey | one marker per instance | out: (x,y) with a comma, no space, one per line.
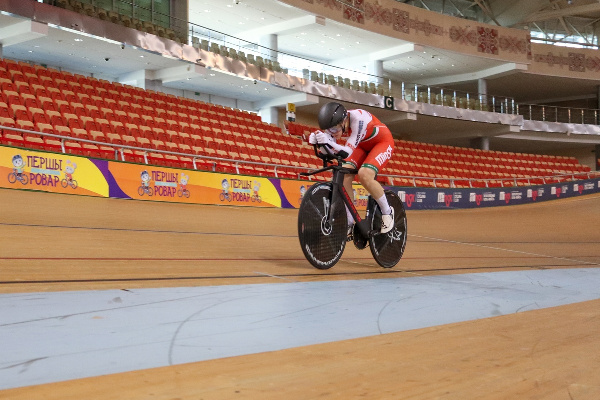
(383,157)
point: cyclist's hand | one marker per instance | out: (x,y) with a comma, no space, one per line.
(312,138)
(324,138)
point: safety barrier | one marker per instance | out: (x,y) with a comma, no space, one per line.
(66,173)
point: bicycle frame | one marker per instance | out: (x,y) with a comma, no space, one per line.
(337,181)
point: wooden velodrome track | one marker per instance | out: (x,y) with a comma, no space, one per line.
(52,242)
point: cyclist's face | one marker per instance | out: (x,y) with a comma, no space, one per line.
(336,131)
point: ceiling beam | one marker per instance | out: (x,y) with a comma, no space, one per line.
(179,73)
(299,99)
(494,72)
(22,32)
(563,12)
(391,53)
(284,27)
(487,10)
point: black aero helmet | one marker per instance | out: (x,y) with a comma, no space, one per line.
(331,114)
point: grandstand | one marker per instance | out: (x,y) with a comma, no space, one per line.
(52,109)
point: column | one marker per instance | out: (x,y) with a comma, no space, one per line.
(482,89)
(481,143)
(376,68)
(135,78)
(269,46)
(270,115)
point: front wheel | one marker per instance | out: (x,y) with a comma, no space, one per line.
(322,226)
(388,248)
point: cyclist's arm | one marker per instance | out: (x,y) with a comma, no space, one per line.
(342,151)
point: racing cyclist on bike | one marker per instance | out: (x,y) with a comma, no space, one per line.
(368,148)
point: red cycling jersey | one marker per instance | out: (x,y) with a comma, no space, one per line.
(371,142)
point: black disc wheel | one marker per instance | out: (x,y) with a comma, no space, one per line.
(388,248)
(322,226)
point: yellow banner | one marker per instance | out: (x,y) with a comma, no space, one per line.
(60,173)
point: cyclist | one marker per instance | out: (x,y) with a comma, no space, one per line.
(368,148)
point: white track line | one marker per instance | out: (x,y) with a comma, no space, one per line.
(509,250)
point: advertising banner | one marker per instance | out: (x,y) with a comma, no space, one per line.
(63,173)
(424,198)
(50,172)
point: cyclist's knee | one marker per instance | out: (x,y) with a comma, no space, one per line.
(366,175)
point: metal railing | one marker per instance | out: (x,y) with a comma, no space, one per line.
(559,114)
(217,161)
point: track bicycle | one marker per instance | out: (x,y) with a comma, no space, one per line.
(323,223)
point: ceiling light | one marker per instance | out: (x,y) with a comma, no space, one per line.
(78,40)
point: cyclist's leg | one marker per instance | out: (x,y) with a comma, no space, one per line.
(375,161)
(354,161)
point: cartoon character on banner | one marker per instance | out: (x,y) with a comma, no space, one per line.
(68,179)
(145,186)
(255,195)
(17,174)
(183,181)
(302,192)
(224,195)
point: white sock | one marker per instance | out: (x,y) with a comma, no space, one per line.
(383,205)
(350,217)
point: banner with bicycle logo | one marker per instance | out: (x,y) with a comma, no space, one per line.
(64,173)
(51,172)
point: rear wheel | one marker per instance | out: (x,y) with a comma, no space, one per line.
(322,226)
(388,248)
